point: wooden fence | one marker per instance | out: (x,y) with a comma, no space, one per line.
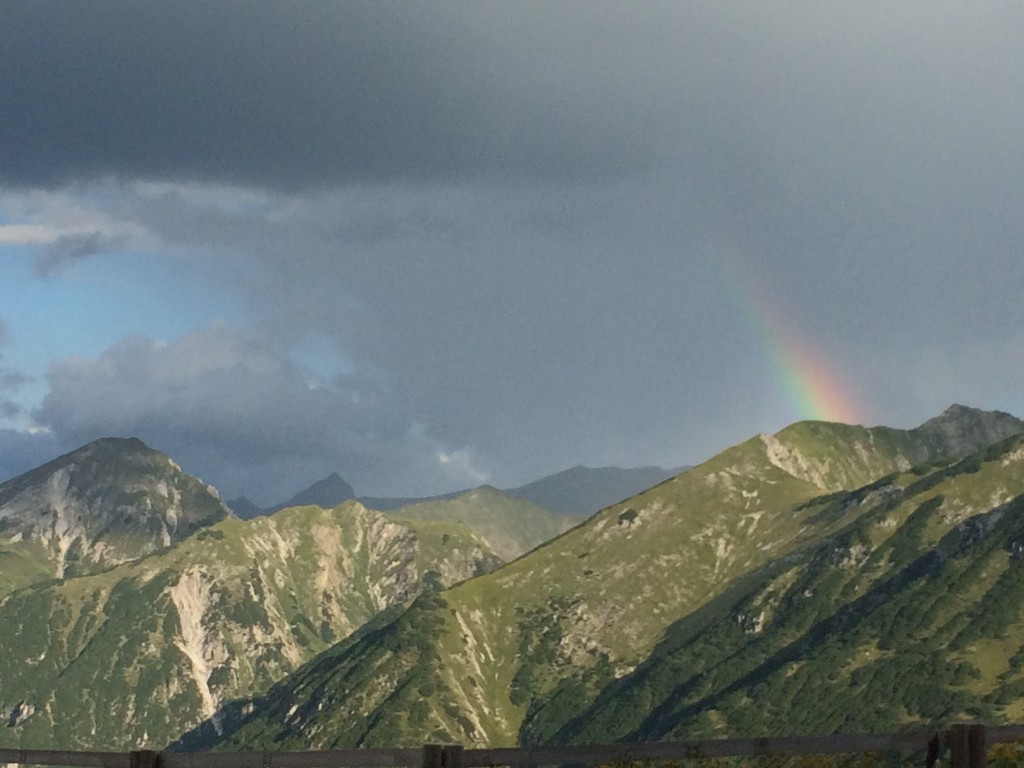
(966,746)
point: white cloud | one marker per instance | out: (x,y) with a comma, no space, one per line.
(460,466)
(27,234)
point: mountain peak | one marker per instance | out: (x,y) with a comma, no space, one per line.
(958,412)
(327,493)
(124,443)
(243,507)
(959,429)
(112,500)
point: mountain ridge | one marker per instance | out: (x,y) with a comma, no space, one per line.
(576,491)
(701,605)
(515,655)
(582,491)
(159,643)
(509,526)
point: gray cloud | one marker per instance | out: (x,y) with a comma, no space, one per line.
(235,408)
(549,233)
(10,380)
(67,249)
(291,94)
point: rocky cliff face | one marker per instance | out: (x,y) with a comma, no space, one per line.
(109,502)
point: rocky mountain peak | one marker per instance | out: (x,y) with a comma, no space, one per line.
(960,430)
(243,507)
(110,501)
(327,493)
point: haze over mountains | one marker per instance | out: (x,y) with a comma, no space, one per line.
(576,491)
(827,577)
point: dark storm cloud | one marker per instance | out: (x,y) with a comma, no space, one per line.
(853,169)
(291,94)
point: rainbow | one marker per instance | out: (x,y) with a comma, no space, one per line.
(808,380)
(810,384)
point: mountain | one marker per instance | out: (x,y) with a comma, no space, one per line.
(244,508)
(827,577)
(327,493)
(908,614)
(959,430)
(108,502)
(585,490)
(142,652)
(391,503)
(576,491)
(508,526)
(652,616)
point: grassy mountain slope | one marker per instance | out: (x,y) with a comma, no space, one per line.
(140,653)
(108,502)
(515,655)
(508,526)
(906,615)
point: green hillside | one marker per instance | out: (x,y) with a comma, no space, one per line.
(138,654)
(516,655)
(907,615)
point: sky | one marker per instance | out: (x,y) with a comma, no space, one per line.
(433,245)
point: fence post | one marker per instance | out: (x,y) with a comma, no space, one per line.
(976,746)
(142,758)
(959,746)
(935,747)
(452,756)
(432,756)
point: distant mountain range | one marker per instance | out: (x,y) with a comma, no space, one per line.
(583,491)
(826,578)
(579,491)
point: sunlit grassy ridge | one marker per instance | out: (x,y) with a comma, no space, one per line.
(529,652)
(902,616)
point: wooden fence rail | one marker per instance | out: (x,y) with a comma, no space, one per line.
(966,745)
